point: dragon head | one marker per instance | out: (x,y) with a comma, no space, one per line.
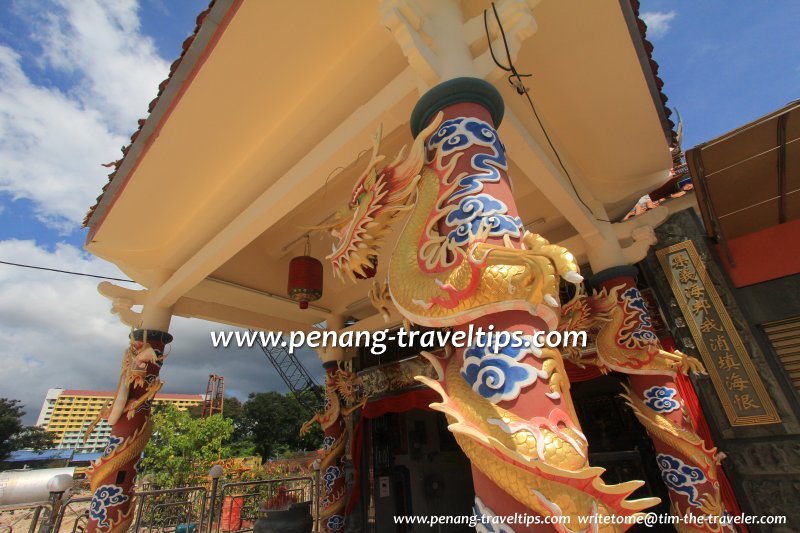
(576,314)
(378,197)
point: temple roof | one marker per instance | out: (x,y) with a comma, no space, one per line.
(201,44)
(257,135)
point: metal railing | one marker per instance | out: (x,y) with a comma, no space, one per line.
(239,503)
(73,515)
(170,509)
(14,517)
(232,507)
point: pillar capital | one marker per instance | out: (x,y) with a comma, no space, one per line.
(123,300)
(457,91)
(440,43)
(151,335)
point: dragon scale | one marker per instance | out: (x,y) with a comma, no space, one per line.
(626,342)
(463,258)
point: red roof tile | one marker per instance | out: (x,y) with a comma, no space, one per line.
(203,16)
(648,46)
(162,86)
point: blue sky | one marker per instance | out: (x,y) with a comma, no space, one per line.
(725,63)
(27,28)
(75,75)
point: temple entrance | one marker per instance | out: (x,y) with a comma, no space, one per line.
(414,467)
(618,442)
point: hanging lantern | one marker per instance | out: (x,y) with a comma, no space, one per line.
(305,278)
(369,271)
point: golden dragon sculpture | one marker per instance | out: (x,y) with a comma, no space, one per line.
(344,394)
(624,342)
(442,280)
(112,477)
(133,372)
(621,331)
(462,256)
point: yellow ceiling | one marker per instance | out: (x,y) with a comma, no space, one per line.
(288,94)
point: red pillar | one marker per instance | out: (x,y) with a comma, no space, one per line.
(689,467)
(332,493)
(113,476)
(510,409)
(531,400)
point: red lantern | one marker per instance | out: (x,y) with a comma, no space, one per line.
(305,279)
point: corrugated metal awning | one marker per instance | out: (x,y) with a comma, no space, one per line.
(19,456)
(749,179)
(785,338)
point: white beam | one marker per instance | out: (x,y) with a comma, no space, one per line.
(530,157)
(376,322)
(652,217)
(248,299)
(234,316)
(302,180)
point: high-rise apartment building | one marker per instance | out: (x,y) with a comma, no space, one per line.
(68,412)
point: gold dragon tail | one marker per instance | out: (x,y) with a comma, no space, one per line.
(544,468)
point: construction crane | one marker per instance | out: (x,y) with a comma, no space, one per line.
(215,395)
(295,375)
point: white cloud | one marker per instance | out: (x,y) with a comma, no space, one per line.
(101,41)
(658,22)
(51,147)
(53,140)
(58,332)
(56,329)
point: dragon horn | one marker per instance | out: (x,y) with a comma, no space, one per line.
(412,164)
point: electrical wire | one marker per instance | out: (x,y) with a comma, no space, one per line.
(72,273)
(336,171)
(515,79)
(34,267)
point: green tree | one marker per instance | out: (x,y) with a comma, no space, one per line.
(183,447)
(273,420)
(14,435)
(233,410)
(240,444)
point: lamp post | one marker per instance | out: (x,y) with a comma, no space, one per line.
(57,486)
(215,472)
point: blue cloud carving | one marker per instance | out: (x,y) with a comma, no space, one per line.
(660,399)
(680,477)
(105,496)
(497,376)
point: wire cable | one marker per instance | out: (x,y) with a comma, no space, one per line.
(515,79)
(34,267)
(73,273)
